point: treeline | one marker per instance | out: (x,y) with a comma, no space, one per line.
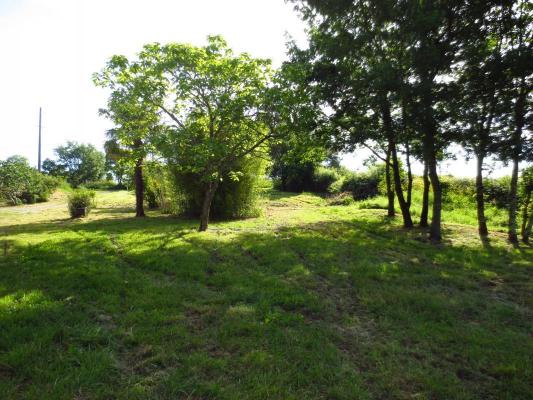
(413,77)
(405,79)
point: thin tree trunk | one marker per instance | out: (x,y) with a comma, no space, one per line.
(206,206)
(480,197)
(527,219)
(389,131)
(390,192)
(513,205)
(139,188)
(435,229)
(404,206)
(430,154)
(409,174)
(519,113)
(425,199)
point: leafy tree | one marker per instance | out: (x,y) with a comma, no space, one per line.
(135,116)
(218,108)
(477,109)
(361,74)
(517,59)
(388,68)
(114,158)
(78,163)
(303,140)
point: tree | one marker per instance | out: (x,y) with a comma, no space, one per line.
(135,116)
(477,109)
(361,75)
(218,108)
(517,59)
(78,163)
(114,158)
(398,55)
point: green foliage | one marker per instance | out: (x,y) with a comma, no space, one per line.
(236,196)
(20,183)
(102,185)
(78,163)
(80,202)
(362,185)
(159,189)
(324,178)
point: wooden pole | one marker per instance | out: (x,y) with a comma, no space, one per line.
(39,153)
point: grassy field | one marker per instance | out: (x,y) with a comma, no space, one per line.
(308,301)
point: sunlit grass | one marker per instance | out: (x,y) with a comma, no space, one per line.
(308,301)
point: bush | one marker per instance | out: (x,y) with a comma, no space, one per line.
(102,185)
(323,179)
(80,202)
(236,196)
(361,185)
(20,183)
(497,191)
(295,177)
(341,199)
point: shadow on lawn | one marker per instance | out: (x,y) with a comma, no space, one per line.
(331,308)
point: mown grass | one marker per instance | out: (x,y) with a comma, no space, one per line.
(308,301)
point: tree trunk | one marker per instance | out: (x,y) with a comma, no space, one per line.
(513,204)
(480,197)
(430,154)
(519,117)
(139,188)
(527,219)
(425,199)
(404,206)
(435,229)
(389,131)
(206,206)
(391,212)
(409,174)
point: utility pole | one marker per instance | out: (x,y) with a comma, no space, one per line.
(39,155)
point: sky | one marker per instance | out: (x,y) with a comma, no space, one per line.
(51,48)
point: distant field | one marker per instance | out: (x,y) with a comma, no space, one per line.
(308,301)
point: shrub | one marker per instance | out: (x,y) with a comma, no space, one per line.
(20,183)
(102,185)
(80,202)
(361,185)
(323,179)
(236,196)
(295,177)
(497,191)
(341,199)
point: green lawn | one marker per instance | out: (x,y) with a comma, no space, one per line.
(308,301)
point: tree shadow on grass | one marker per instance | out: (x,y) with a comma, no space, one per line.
(324,309)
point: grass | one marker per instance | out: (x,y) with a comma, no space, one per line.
(308,301)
